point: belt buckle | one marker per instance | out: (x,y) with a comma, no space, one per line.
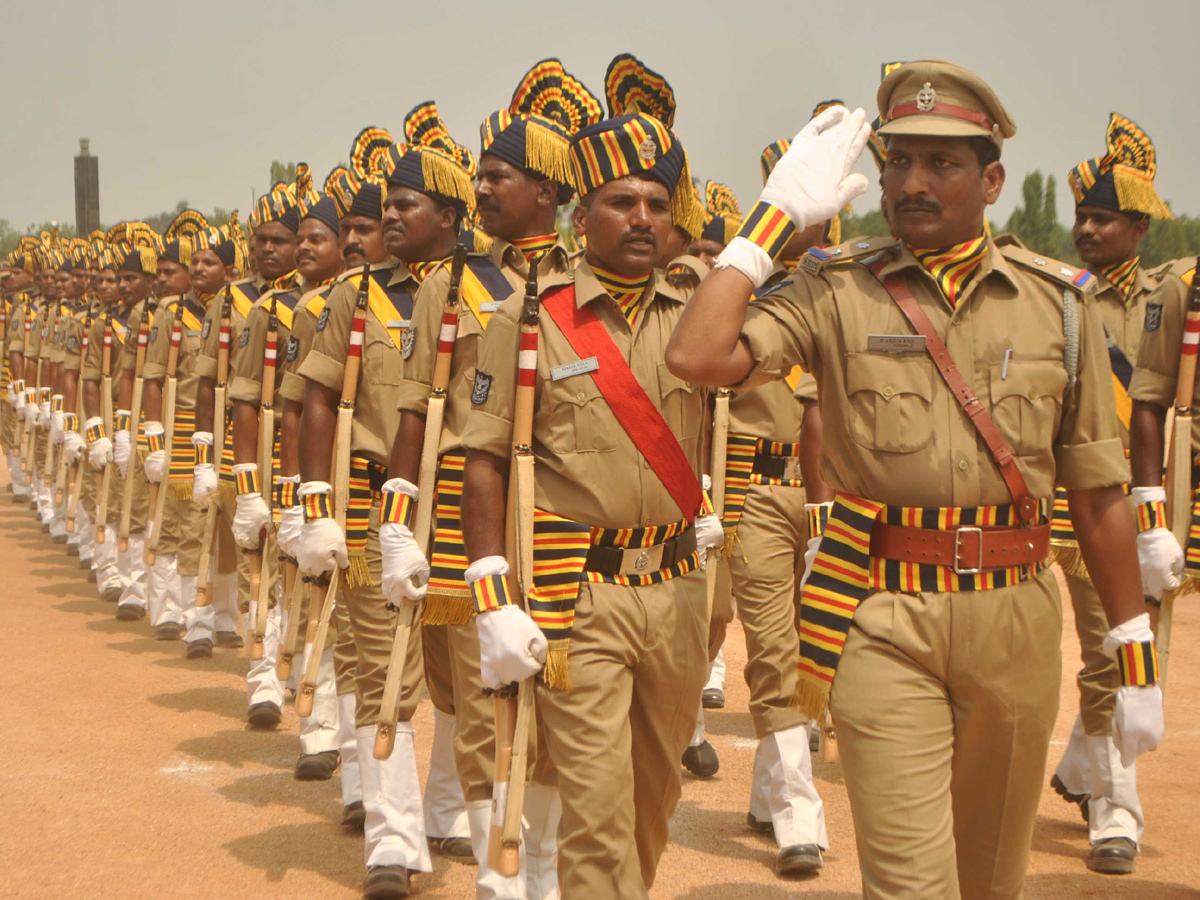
(958,533)
(791,469)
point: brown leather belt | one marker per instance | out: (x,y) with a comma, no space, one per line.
(967,549)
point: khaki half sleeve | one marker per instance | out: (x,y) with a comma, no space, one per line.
(428,306)
(778,332)
(1162,339)
(1088,452)
(291,386)
(94,358)
(326,362)
(246,366)
(490,419)
(159,347)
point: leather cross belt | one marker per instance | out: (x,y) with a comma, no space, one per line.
(967,549)
(641,560)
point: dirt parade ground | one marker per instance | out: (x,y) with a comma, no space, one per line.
(129,772)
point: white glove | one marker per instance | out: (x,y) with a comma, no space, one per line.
(72,447)
(30,411)
(56,426)
(809,184)
(322,543)
(19,401)
(10,395)
(121,446)
(810,556)
(405,568)
(511,647)
(1159,555)
(251,514)
(1138,718)
(155,464)
(204,475)
(43,414)
(709,535)
(291,521)
(100,453)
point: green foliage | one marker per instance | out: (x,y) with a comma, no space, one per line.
(10,236)
(1036,223)
(873,224)
(285,172)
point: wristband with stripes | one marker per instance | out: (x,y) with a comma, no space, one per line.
(398,508)
(818,518)
(490,592)
(155,441)
(1151,515)
(95,432)
(123,419)
(767,227)
(1138,664)
(317,506)
(247,481)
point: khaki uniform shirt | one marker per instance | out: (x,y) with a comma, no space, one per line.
(375,416)
(893,431)
(1157,362)
(588,468)
(247,364)
(1122,319)
(210,333)
(427,323)
(72,341)
(187,381)
(36,316)
(304,329)
(91,368)
(129,351)
(15,337)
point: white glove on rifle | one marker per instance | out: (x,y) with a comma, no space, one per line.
(1159,555)
(204,475)
(251,514)
(30,410)
(43,414)
(291,522)
(709,536)
(405,568)
(11,395)
(322,542)
(1138,718)
(101,450)
(72,447)
(511,647)
(56,423)
(155,464)
(809,184)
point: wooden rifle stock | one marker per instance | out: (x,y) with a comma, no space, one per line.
(135,418)
(106,412)
(514,713)
(208,541)
(266,475)
(389,711)
(341,490)
(158,492)
(1179,466)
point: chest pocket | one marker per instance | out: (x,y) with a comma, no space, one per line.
(680,405)
(580,420)
(381,361)
(890,401)
(1027,404)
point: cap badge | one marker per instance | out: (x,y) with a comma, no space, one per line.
(647,149)
(926,98)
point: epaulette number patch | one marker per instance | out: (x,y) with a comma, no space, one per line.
(206,329)
(293,349)
(154,334)
(244,339)
(323,319)
(481,389)
(1153,316)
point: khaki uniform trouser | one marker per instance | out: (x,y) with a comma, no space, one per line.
(637,666)
(8,426)
(231,556)
(341,635)
(1099,679)
(87,493)
(115,485)
(373,625)
(722,612)
(943,705)
(183,532)
(765,569)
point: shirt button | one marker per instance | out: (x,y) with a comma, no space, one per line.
(963,464)
(888,392)
(1033,394)
(581,396)
(645,463)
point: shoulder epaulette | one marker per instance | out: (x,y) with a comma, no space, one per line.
(686,271)
(1181,268)
(818,258)
(1080,280)
(1008,239)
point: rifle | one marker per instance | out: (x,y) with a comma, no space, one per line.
(22,429)
(135,418)
(77,477)
(208,541)
(513,714)
(341,490)
(293,589)
(1179,464)
(158,496)
(106,411)
(389,711)
(266,474)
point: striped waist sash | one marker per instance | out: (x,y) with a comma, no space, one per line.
(448,601)
(366,483)
(844,573)
(753,460)
(181,471)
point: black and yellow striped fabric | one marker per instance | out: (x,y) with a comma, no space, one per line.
(448,601)
(953,268)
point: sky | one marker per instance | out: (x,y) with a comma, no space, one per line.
(192,101)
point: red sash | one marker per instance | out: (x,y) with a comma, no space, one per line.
(627,399)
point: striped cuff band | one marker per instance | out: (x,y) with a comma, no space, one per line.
(56,403)
(123,418)
(768,227)
(155,442)
(818,518)
(95,432)
(1151,515)
(203,454)
(70,422)
(398,508)
(490,592)
(317,506)
(18,386)
(1138,663)
(247,481)
(706,505)
(44,395)
(285,494)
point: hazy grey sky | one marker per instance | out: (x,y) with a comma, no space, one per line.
(193,100)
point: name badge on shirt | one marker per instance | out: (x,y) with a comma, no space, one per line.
(896,343)
(489,306)
(579,367)
(397,323)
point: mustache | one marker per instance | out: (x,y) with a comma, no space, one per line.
(918,204)
(639,234)
(485,202)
